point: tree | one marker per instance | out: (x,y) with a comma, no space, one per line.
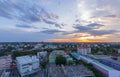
(70,62)
(60,60)
(16,54)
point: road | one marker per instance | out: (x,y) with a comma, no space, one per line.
(40,74)
(14,73)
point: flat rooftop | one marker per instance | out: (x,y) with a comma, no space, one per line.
(93,61)
(26,59)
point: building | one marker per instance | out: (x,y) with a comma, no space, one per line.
(68,58)
(27,65)
(112,63)
(118,50)
(75,55)
(42,56)
(38,46)
(84,49)
(106,70)
(99,56)
(2,73)
(54,53)
(5,62)
(50,46)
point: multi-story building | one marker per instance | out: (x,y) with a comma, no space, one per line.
(106,70)
(84,49)
(27,65)
(50,46)
(118,50)
(42,56)
(5,62)
(112,63)
(55,53)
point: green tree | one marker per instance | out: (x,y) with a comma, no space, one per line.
(16,54)
(60,60)
(70,62)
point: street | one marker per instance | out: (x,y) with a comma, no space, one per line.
(14,73)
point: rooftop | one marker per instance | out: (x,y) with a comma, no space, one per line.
(26,59)
(93,61)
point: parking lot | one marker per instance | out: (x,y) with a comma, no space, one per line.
(69,71)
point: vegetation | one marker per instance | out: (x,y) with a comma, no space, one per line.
(60,60)
(18,53)
(43,65)
(2,53)
(104,50)
(89,66)
(71,62)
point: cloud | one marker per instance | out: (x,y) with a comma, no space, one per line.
(53,23)
(87,27)
(80,28)
(113,16)
(25,26)
(95,25)
(22,36)
(91,29)
(49,21)
(51,31)
(101,32)
(27,11)
(19,10)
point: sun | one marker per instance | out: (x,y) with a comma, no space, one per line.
(85,39)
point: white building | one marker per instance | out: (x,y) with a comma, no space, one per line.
(27,65)
(5,62)
(38,46)
(106,70)
(84,50)
(42,54)
(118,50)
(50,46)
(53,55)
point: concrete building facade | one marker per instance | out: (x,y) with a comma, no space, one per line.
(27,65)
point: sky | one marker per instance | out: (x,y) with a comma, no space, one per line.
(60,20)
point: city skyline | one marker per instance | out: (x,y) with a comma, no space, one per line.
(59,20)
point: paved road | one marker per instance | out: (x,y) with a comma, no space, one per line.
(40,74)
(14,73)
